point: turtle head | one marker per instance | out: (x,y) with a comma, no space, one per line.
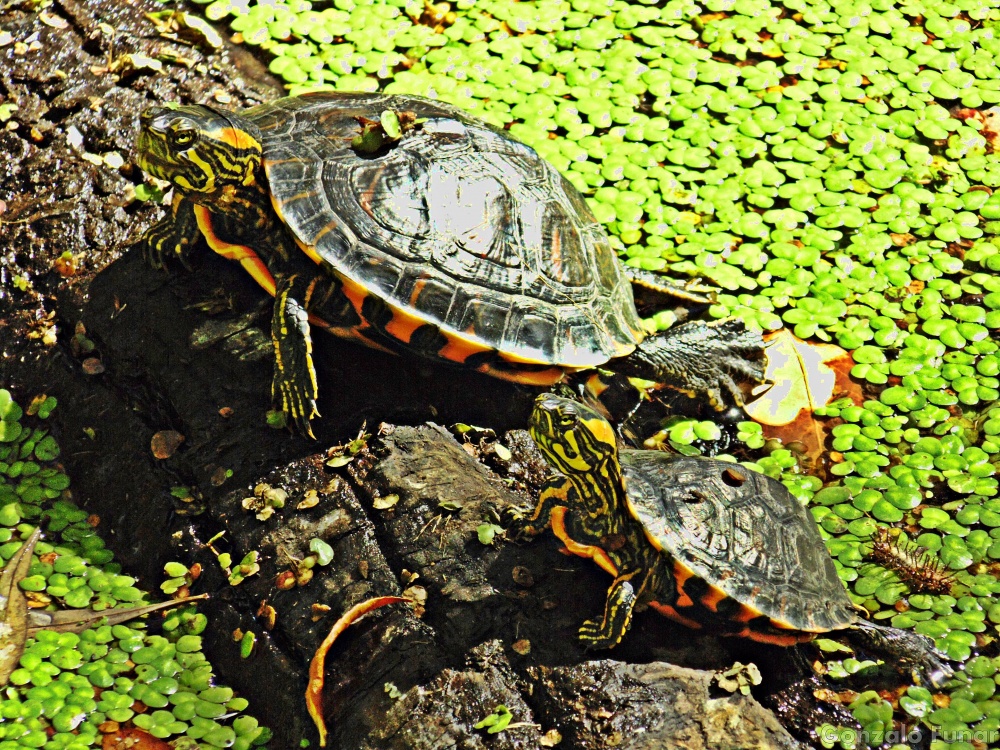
(574,438)
(198,149)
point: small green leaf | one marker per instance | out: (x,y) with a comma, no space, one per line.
(390,124)
(249,561)
(47,449)
(45,409)
(487,531)
(247,644)
(148,193)
(830,646)
(9,432)
(324,552)
(497,721)
(175,569)
(392,691)
(171,585)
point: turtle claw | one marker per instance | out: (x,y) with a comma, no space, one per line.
(713,359)
(595,640)
(170,237)
(298,404)
(593,634)
(528,522)
(909,650)
(294,386)
(608,632)
(518,522)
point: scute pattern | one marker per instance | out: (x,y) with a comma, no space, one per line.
(758,545)
(457,223)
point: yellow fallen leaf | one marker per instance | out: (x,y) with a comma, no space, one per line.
(385,502)
(801,376)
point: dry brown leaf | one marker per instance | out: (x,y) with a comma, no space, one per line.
(385,502)
(93,366)
(14,607)
(801,377)
(314,692)
(165,443)
(78,620)
(311,500)
(551,738)
(132,738)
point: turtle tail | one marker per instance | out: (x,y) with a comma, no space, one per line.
(909,650)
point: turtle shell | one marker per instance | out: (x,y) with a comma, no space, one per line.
(742,533)
(456,225)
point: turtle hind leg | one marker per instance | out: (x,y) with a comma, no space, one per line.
(172,236)
(294,386)
(910,650)
(609,631)
(713,359)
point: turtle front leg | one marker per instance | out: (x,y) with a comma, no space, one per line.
(172,236)
(712,359)
(294,385)
(609,631)
(525,522)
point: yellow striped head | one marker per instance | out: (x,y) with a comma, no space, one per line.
(198,149)
(574,438)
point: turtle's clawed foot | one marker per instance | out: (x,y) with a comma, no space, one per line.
(298,403)
(608,633)
(906,649)
(714,359)
(294,386)
(169,239)
(517,520)
(596,638)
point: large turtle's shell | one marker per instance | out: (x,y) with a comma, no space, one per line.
(457,224)
(741,532)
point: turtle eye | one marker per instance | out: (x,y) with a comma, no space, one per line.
(182,138)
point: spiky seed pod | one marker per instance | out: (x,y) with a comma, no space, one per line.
(914,565)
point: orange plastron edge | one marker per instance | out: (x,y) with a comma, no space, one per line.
(246,257)
(595,553)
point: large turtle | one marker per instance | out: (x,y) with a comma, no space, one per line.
(706,542)
(448,239)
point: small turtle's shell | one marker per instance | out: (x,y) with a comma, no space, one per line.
(742,533)
(456,225)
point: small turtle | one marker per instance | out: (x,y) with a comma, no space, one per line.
(408,225)
(705,542)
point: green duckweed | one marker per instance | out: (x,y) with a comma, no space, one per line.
(67,684)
